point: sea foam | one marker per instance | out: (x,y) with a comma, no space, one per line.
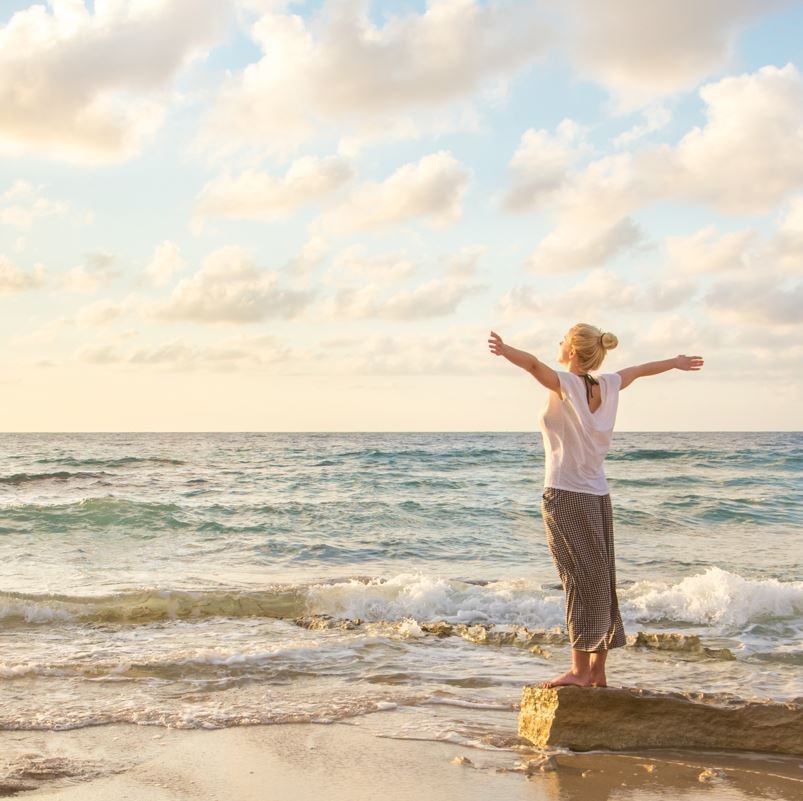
(714,598)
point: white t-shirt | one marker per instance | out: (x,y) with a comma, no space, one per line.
(576,440)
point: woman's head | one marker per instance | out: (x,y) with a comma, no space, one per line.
(587,345)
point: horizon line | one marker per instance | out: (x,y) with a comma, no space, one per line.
(411,431)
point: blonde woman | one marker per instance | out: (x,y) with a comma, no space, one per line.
(577,423)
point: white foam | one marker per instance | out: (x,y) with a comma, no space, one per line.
(714,598)
(34,611)
(425,598)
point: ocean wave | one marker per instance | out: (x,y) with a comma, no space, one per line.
(714,598)
(654,454)
(120,461)
(58,475)
(149,606)
(284,661)
(94,513)
(425,598)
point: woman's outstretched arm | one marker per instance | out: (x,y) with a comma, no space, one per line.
(545,375)
(630,374)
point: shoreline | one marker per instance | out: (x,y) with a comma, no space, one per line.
(344,762)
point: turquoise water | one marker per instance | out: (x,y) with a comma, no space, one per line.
(156,578)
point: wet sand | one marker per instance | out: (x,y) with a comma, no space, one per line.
(342,761)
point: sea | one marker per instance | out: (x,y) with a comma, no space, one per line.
(396,581)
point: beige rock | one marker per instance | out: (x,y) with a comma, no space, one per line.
(586,718)
(683,644)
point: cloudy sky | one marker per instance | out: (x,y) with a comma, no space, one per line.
(306,216)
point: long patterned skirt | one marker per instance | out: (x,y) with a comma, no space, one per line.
(579,529)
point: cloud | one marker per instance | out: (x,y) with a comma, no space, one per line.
(98,271)
(13,279)
(99,313)
(707,251)
(377,295)
(540,165)
(787,244)
(439,297)
(757,300)
(431,189)
(312,254)
(229,288)
(600,290)
(749,155)
(464,263)
(164,264)
(655,118)
(643,51)
(21,205)
(576,248)
(258,195)
(340,67)
(96,83)
(355,263)
(179,354)
(746,159)
(456,351)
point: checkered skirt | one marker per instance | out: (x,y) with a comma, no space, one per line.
(579,530)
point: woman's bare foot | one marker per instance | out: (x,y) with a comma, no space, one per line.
(598,679)
(569,679)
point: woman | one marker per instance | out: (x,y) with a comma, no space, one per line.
(577,424)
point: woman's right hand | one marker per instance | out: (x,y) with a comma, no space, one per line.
(495,344)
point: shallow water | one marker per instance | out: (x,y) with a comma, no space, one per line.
(156,578)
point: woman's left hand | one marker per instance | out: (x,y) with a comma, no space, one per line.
(495,344)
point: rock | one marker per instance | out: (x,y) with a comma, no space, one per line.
(541,765)
(324,622)
(586,718)
(681,643)
(462,760)
(710,775)
(440,628)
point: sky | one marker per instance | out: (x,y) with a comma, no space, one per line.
(267,215)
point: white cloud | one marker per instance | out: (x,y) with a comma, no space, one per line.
(680,331)
(355,263)
(576,248)
(438,297)
(96,85)
(99,313)
(14,279)
(707,251)
(787,244)
(164,264)
(643,50)
(758,300)
(234,353)
(339,66)
(456,351)
(21,205)
(749,155)
(98,271)
(655,118)
(432,189)
(312,254)
(540,165)
(258,195)
(229,288)
(464,263)
(746,159)
(607,190)
(599,291)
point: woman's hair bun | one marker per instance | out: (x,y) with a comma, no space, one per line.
(609,341)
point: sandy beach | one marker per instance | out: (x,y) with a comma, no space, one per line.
(341,761)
